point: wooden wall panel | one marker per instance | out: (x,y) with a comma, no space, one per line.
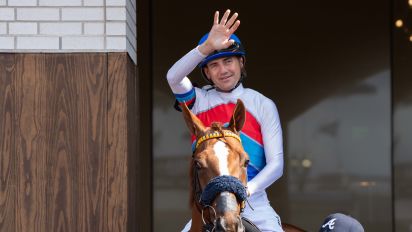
(7,144)
(91,74)
(31,102)
(133,195)
(62,126)
(123,143)
(117,142)
(69,128)
(78,178)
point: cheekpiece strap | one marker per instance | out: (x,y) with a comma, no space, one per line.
(217,134)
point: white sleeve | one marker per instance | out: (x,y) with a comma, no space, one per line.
(273,145)
(177,74)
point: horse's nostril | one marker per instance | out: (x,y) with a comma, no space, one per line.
(220,225)
(235,225)
(240,226)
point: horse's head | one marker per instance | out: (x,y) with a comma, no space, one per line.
(218,172)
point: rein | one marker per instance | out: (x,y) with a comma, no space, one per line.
(209,225)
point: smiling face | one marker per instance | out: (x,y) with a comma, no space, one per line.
(224,72)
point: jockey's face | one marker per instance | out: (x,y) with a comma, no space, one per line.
(224,72)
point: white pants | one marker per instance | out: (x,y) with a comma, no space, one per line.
(263,215)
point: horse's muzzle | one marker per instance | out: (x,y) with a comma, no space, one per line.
(227,210)
(225,225)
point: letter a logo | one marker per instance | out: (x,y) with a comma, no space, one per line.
(330,224)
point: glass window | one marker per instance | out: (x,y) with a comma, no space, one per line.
(402,131)
(339,156)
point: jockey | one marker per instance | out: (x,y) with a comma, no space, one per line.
(221,59)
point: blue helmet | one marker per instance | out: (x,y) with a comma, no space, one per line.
(236,49)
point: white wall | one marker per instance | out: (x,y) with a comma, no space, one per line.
(68,26)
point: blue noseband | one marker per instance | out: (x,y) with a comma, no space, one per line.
(223,184)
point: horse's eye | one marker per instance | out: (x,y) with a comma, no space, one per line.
(246,163)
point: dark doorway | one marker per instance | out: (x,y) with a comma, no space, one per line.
(327,67)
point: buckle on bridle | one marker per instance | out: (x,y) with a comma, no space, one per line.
(214,212)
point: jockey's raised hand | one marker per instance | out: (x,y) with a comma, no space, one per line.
(220,33)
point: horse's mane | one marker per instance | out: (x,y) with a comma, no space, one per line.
(192,187)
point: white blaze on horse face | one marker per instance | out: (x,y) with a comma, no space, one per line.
(222,153)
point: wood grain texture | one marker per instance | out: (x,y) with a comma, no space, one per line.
(62,127)
(31,147)
(7,144)
(133,145)
(117,142)
(91,74)
(68,127)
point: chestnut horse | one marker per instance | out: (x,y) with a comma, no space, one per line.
(218,173)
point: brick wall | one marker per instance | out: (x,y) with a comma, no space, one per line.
(68,26)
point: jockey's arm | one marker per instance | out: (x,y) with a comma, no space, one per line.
(273,146)
(177,74)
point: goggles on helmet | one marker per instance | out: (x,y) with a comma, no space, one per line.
(236,49)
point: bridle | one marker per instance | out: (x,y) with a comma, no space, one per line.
(209,225)
(203,198)
(217,134)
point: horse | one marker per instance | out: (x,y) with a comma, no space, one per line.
(218,173)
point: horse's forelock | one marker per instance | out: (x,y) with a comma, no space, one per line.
(217,126)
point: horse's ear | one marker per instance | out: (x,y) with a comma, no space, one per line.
(194,124)
(238,118)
